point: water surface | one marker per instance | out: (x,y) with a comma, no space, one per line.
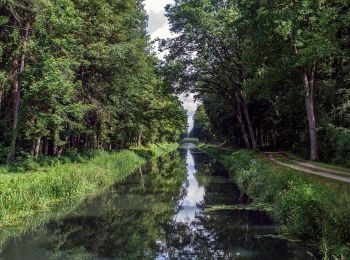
(161,212)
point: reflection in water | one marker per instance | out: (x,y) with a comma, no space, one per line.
(160,213)
(195,193)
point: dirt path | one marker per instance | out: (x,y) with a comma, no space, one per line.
(307,167)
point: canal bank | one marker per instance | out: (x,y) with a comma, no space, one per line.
(164,210)
(304,207)
(30,199)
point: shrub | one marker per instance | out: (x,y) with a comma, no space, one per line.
(72,155)
(301,211)
(239,160)
(336,230)
(260,175)
(25,165)
(251,179)
(4,151)
(30,165)
(48,161)
(335,144)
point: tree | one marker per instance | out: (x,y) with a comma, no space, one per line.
(80,75)
(260,61)
(306,34)
(209,57)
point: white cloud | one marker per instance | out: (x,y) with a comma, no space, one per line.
(191,106)
(158,20)
(162,32)
(158,24)
(156,5)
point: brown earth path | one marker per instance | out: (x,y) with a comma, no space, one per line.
(308,167)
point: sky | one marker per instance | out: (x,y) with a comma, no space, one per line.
(158,27)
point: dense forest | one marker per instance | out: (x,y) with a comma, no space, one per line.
(80,75)
(269,74)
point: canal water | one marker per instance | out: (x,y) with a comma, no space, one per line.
(168,209)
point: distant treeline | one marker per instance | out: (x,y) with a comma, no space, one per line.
(272,74)
(79,74)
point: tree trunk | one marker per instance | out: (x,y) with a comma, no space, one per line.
(59,151)
(55,137)
(248,120)
(32,151)
(54,148)
(309,79)
(95,141)
(241,124)
(262,137)
(1,94)
(46,147)
(139,139)
(85,143)
(37,148)
(267,138)
(240,97)
(16,98)
(16,92)
(61,148)
(274,139)
(71,142)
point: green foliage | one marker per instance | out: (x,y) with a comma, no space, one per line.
(310,211)
(336,229)
(261,51)
(202,127)
(89,81)
(335,146)
(301,211)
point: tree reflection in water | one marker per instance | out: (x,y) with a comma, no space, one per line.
(159,213)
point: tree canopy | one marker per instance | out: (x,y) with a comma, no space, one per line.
(269,74)
(79,74)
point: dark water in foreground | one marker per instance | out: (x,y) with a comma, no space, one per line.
(161,212)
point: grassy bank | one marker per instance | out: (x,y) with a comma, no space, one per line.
(304,208)
(25,195)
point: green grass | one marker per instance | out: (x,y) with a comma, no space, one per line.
(303,206)
(26,195)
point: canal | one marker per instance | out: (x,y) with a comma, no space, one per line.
(172,208)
